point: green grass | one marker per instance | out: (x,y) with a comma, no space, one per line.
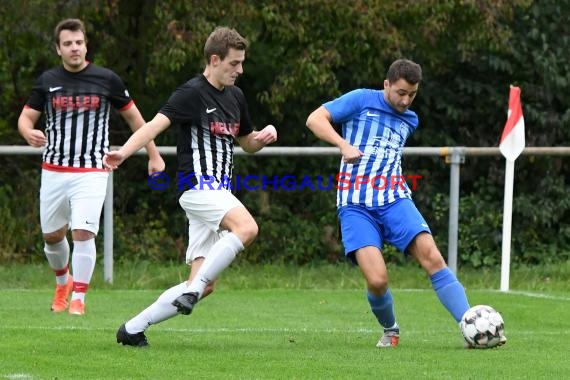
(279,323)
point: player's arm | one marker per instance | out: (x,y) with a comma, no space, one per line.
(256,140)
(135,120)
(140,138)
(320,123)
(26,126)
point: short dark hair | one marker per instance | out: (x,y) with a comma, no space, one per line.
(221,40)
(72,24)
(405,69)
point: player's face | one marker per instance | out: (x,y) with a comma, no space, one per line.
(72,49)
(400,94)
(227,70)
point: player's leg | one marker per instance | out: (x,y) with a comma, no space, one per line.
(379,296)
(362,240)
(200,239)
(194,268)
(54,218)
(87,195)
(449,290)
(131,333)
(242,230)
(219,209)
(406,228)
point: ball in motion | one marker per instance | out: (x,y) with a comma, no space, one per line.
(482,327)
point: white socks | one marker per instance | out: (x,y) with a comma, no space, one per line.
(83,265)
(221,255)
(219,258)
(58,258)
(159,311)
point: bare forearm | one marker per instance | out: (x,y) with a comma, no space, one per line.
(142,137)
(323,129)
(256,140)
(250,145)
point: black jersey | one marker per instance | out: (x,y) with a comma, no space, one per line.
(208,121)
(76,107)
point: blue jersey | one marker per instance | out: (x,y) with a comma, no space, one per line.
(370,124)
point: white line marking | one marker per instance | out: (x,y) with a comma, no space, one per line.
(24,376)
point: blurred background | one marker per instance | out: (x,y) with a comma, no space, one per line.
(303,53)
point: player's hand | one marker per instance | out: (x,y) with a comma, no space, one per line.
(267,135)
(156,164)
(35,138)
(113,159)
(350,154)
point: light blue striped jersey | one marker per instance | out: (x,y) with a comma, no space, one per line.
(373,126)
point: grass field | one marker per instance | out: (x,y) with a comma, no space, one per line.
(259,330)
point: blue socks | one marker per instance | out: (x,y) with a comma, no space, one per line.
(450,292)
(383,308)
(448,289)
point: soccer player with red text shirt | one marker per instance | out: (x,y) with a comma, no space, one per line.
(211,114)
(75,99)
(375,127)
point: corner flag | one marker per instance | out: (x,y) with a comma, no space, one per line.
(512,141)
(511,146)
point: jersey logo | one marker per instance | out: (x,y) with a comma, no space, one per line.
(219,128)
(52,89)
(70,103)
(208,110)
(370,114)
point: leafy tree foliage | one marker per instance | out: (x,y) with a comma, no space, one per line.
(304,52)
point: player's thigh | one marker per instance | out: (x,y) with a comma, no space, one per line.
(208,206)
(402,222)
(87,195)
(358,229)
(239,221)
(55,210)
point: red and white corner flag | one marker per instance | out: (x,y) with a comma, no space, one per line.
(512,141)
(511,146)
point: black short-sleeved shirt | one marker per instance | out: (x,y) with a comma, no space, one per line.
(76,107)
(208,121)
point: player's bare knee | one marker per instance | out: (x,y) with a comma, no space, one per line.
(247,232)
(82,235)
(378,285)
(54,237)
(431,260)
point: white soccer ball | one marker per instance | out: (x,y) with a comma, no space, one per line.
(482,327)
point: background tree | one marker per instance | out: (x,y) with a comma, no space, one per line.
(304,52)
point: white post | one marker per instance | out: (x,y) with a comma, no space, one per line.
(507,224)
(108,232)
(456,158)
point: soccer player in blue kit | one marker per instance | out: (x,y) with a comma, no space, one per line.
(371,209)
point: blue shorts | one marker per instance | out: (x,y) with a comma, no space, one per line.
(397,223)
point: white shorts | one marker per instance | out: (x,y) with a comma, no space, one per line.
(205,210)
(75,199)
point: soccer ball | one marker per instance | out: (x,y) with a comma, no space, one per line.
(482,327)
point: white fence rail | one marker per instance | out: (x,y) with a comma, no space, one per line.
(454,156)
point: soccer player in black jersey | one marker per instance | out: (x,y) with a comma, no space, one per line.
(211,113)
(75,99)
